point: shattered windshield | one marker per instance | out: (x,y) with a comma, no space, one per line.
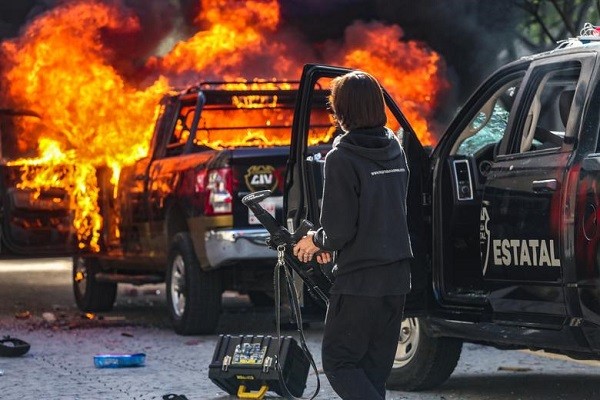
(492,132)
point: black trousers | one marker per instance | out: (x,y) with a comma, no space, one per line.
(359,344)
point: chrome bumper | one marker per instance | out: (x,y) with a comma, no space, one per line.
(227,246)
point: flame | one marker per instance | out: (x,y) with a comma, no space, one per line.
(239,33)
(61,168)
(410,72)
(256,119)
(61,68)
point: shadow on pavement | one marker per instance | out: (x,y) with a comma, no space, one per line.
(524,385)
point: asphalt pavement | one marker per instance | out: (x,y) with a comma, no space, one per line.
(36,305)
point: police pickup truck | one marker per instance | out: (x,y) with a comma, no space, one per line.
(178,216)
(503,214)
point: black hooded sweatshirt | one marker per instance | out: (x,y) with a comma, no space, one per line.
(363,215)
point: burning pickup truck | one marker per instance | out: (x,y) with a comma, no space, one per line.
(33,221)
(177,215)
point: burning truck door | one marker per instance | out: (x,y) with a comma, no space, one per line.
(304,176)
(525,228)
(171,156)
(133,182)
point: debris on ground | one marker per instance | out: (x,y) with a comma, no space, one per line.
(13,347)
(23,315)
(49,317)
(126,334)
(173,396)
(119,360)
(113,318)
(88,315)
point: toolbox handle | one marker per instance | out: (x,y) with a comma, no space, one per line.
(243,394)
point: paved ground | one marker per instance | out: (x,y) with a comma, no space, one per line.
(60,362)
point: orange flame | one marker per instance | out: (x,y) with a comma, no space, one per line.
(410,72)
(236,31)
(60,68)
(62,168)
(256,120)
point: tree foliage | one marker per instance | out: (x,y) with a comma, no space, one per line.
(546,22)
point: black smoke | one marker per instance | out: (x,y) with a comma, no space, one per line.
(473,36)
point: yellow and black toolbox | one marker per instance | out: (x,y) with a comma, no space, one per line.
(244,366)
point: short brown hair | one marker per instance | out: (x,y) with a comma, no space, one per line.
(357,101)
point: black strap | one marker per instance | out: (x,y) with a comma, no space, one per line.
(295,306)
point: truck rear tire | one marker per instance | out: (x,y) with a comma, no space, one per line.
(193,295)
(422,362)
(91,295)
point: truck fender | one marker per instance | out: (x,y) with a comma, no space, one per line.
(176,221)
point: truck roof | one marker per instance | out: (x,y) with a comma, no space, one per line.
(569,46)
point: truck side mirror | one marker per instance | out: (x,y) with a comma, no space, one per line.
(591,162)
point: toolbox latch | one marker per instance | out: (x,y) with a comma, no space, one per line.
(267,364)
(226,362)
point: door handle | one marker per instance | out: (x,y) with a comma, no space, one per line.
(546,185)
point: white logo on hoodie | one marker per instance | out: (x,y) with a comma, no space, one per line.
(388,171)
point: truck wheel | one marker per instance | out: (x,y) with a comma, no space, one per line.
(422,362)
(91,295)
(193,295)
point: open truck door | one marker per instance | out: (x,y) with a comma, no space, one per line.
(304,177)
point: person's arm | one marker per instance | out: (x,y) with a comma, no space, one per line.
(339,211)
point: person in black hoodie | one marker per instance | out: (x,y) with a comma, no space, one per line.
(364,223)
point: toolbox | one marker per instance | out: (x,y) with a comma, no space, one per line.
(245,366)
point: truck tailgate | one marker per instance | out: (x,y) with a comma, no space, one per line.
(257,169)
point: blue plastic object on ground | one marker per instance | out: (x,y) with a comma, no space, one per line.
(119,360)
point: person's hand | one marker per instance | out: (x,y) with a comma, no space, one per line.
(324,257)
(305,248)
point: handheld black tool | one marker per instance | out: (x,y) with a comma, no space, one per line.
(316,280)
